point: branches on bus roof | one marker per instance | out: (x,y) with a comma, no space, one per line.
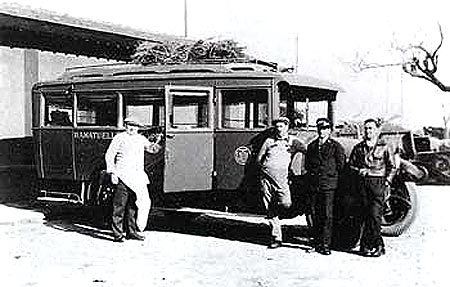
(172,52)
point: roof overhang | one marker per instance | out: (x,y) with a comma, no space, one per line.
(44,30)
(302,88)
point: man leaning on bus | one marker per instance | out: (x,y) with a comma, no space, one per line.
(275,159)
(125,163)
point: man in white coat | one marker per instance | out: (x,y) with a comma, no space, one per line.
(125,163)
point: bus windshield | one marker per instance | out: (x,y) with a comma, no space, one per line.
(304,114)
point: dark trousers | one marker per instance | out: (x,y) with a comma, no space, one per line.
(323,216)
(372,193)
(124,211)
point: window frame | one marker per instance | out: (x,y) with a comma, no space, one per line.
(116,96)
(189,91)
(157,97)
(45,113)
(221,106)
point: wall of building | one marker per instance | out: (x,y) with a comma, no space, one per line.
(19,70)
(12,100)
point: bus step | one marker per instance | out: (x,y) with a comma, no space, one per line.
(55,196)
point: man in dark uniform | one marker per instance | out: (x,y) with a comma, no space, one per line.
(373,160)
(325,159)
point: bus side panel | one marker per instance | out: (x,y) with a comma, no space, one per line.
(90,156)
(230,174)
(188,162)
(57,154)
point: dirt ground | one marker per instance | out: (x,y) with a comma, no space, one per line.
(186,249)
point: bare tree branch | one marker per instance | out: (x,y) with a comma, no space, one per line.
(361,66)
(419,62)
(440,44)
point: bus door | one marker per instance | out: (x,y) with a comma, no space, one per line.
(189,138)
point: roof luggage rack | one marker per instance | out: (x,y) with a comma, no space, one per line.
(271,65)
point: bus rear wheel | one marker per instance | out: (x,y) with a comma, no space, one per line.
(101,193)
(100,189)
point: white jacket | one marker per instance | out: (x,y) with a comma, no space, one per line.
(125,159)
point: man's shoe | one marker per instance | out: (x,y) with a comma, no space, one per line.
(379,251)
(135,236)
(274,244)
(324,250)
(364,251)
(118,239)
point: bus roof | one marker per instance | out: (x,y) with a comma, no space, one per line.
(256,69)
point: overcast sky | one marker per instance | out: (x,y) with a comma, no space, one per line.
(329,34)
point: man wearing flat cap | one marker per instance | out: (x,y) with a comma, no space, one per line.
(324,162)
(274,159)
(125,163)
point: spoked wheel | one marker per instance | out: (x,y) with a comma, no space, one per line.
(441,168)
(99,189)
(401,212)
(101,195)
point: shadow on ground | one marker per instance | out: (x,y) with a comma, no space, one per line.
(93,222)
(26,205)
(204,224)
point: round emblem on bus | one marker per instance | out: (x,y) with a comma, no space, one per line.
(241,155)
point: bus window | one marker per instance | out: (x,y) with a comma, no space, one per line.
(315,111)
(58,110)
(305,114)
(148,108)
(244,109)
(190,111)
(97,110)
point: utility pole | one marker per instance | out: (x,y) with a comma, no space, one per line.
(296,54)
(185,19)
(402,103)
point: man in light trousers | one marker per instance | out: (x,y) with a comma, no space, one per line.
(125,163)
(275,159)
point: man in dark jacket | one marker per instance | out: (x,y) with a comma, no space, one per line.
(373,160)
(324,161)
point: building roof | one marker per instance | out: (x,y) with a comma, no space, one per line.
(24,27)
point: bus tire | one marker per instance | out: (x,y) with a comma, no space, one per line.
(426,173)
(405,213)
(100,189)
(101,196)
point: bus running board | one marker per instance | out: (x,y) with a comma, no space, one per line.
(55,196)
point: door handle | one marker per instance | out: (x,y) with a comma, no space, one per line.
(170,136)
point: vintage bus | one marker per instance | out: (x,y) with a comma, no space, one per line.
(213,117)
(207,112)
